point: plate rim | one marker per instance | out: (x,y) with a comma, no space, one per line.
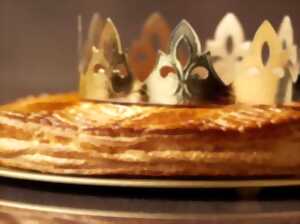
(146,183)
(136,215)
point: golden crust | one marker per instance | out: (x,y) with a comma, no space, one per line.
(60,134)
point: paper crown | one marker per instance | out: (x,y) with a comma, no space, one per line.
(164,67)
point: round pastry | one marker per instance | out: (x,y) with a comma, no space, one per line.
(60,134)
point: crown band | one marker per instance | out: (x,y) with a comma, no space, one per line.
(170,68)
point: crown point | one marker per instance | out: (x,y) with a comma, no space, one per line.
(154,19)
(266,25)
(266,34)
(96,16)
(229,25)
(184,24)
(110,39)
(287,19)
(110,25)
(94,33)
(156,31)
(155,16)
(230,16)
(285,31)
(109,20)
(184,30)
(286,35)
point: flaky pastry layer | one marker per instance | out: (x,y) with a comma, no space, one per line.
(61,134)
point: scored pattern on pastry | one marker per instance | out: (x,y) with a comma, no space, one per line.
(65,136)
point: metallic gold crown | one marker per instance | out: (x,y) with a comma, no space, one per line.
(164,67)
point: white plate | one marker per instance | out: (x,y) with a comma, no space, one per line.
(148,183)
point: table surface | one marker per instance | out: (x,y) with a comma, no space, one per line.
(36,202)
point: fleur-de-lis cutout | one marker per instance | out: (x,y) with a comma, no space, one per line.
(162,83)
(195,80)
(142,54)
(286,35)
(262,81)
(228,47)
(108,75)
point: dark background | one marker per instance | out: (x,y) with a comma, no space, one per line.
(38,37)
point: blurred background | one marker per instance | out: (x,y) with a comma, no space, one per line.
(38,39)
